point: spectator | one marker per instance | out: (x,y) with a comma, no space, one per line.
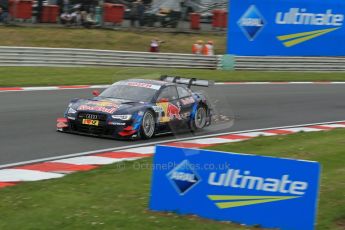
(68,18)
(208,49)
(87,19)
(3,15)
(141,11)
(60,3)
(66,6)
(76,14)
(197,47)
(39,9)
(134,13)
(154,46)
(184,9)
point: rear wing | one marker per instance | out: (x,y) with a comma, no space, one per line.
(187,81)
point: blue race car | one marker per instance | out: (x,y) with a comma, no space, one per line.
(139,109)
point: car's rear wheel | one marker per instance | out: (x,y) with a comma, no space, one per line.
(199,120)
(148,125)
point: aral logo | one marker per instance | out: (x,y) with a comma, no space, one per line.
(251,22)
(183,177)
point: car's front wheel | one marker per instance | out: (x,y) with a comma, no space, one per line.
(148,125)
(199,120)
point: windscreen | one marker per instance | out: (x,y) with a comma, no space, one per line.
(131,92)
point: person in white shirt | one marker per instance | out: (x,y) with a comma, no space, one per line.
(198,47)
(154,46)
(208,49)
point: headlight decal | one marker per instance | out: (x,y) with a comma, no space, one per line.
(126,117)
(72,111)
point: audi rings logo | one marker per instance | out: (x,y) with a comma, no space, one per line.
(91,116)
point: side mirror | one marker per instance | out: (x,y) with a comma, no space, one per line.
(96,93)
(162,100)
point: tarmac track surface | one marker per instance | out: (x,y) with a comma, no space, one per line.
(28,119)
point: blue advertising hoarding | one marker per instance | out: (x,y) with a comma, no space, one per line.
(248,189)
(286,28)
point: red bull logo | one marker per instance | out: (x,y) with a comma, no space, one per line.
(168,112)
(173,111)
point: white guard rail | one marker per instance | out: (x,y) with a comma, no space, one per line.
(279,63)
(33,56)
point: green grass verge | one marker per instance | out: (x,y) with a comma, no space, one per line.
(103,39)
(43,76)
(117,196)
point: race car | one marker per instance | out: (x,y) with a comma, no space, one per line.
(139,109)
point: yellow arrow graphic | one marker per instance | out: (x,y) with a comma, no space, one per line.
(302,37)
(237,201)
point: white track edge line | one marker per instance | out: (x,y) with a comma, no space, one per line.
(155,143)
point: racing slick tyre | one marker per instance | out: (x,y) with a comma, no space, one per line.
(148,125)
(199,120)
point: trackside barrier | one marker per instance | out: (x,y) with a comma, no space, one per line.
(219,18)
(33,56)
(195,21)
(113,13)
(50,14)
(29,56)
(227,62)
(20,9)
(279,63)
